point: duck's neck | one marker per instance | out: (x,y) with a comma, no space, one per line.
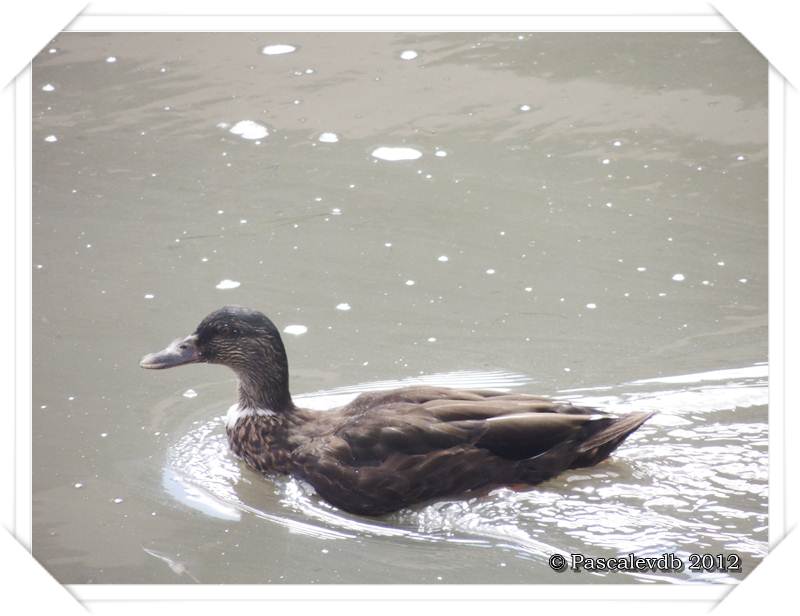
(264,376)
(269,392)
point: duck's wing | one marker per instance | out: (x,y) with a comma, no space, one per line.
(453,404)
(422,420)
(387,450)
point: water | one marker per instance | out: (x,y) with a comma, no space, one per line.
(578,215)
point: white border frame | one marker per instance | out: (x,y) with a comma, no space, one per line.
(428,23)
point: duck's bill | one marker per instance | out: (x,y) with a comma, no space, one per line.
(178,353)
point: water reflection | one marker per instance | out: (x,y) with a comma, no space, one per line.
(690,480)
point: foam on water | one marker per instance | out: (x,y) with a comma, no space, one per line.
(247,129)
(396,153)
(228,284)
(278,50)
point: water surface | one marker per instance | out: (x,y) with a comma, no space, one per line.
(577,215)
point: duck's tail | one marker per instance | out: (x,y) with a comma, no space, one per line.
(598,446)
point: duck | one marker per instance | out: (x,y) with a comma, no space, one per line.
(388,450)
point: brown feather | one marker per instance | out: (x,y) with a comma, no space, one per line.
(387,450)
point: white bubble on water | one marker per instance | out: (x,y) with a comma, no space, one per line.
(329,137)
(247,129)
(410,283)
(228,284)
(679,277)
(396,153)
(277,50)
(190,393)
(591,306)
(443,259)
(343,306)
(51,138)
(408,54)
(111,59)
(48,87)
(295,330)
(524,107)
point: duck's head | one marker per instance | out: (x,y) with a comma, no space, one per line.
(246,341)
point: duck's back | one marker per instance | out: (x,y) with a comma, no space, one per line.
(386,450)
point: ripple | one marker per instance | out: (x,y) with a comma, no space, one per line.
(700,483)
